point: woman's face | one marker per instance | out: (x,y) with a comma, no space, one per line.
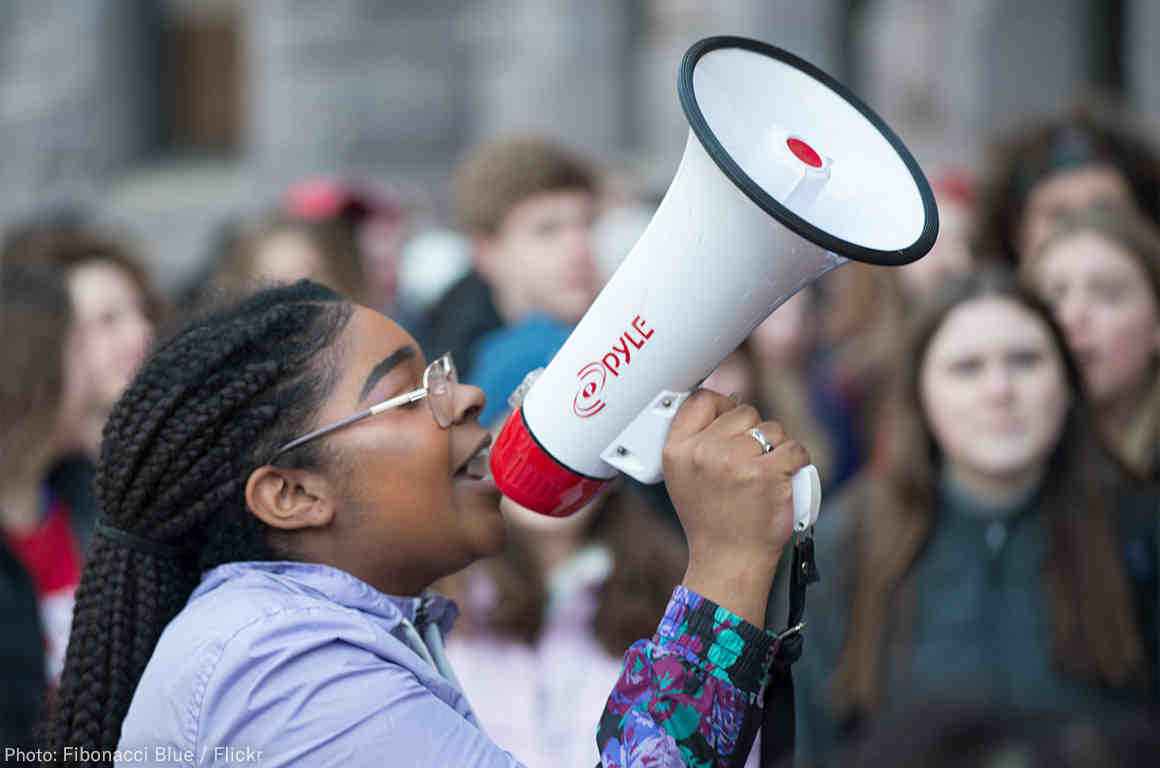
(994,391)
(1065,192)
(950,256)
(735,376)
(112,332)
(1103,299)
(406,501)
(785,338)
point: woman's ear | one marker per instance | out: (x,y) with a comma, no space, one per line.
(291,499)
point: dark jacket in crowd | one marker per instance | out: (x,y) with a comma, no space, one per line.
(22,662)
(457,322)
(71,481)
(970,623)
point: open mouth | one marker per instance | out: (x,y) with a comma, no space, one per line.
(476,467)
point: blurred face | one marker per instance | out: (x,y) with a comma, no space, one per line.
(994,392)
(112,334)
(1103,299)
(950,255)
(407,502)
(381,245)
(542,256)
(287,257)
(786,337)
(735,375)
(1065,192)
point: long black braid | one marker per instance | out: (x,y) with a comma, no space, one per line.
(207,408)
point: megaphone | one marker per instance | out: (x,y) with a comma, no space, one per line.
(785,176)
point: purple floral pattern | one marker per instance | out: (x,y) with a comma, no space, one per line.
(683,696)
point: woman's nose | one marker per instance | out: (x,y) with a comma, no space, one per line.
(469,401)
(999,382)
(1073,315)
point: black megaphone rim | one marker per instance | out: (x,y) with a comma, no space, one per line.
(753,190)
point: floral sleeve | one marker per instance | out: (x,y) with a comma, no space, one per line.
(690,695)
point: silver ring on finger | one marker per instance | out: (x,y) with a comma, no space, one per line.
(759,436)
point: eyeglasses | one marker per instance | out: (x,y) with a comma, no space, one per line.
(439,380)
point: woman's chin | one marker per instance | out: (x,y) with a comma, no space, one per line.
(478,506)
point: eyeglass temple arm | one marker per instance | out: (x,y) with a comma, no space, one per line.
(395,402)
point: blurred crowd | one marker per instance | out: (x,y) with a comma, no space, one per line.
(986,422)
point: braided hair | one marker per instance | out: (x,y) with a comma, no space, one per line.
(203,412)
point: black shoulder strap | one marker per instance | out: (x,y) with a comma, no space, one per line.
(778,719)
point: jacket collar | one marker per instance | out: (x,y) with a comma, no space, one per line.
(337,586)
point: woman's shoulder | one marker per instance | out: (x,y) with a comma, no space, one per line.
(249,636)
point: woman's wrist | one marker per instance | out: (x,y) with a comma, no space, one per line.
(738,583)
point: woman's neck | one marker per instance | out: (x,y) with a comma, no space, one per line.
(1118,414)
(993,495)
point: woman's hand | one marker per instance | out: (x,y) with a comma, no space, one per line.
(734,501)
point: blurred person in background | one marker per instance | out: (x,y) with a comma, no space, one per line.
(581,588)
(951,255)
(1100,273)
(374,220)
(40,552)
(198,291)
(528,207)
(1057,165)
(997,555)
(795,385)
(278,248)
(115,311)
(860,311)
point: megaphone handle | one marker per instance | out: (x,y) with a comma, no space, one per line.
(637,453)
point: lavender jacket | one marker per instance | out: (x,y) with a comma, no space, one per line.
(280,664)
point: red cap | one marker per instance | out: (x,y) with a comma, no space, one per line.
(322,199)
(528,475)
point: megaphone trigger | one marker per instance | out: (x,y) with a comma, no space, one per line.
(807,498)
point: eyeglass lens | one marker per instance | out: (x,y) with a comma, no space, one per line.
(441,380)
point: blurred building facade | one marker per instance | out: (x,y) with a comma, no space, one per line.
(169,114)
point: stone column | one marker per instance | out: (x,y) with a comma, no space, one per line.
(949,75)
(78,93)
(1142,56)
(811,30)
(347,85)
(554,67)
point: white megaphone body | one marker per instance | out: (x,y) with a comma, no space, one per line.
(786,175)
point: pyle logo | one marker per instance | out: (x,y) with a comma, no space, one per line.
(594,375)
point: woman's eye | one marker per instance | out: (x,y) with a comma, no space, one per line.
(546,229)
(966,367)
(1027,358)
(1108,292)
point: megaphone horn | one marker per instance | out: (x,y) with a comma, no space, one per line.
(785,176)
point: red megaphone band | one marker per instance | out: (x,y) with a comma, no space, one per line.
(531,477)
